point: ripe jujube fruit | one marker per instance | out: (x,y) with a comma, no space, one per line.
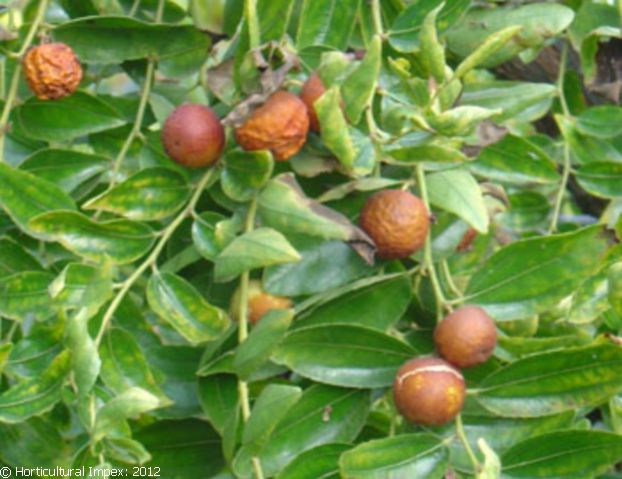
(52,71)
(397,221)
(311,91)
(279,125)
(428,391)
(193,136)
(259,302)
(466,337)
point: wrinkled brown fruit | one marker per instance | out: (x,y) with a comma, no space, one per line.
(311,91)
(428,391)
(52,71)
(397,221)
(279,125)
(466,337)
(193,136)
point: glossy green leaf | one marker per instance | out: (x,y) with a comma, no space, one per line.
(128,404)
(179,304)
(149,195)
(211,233)
(343,355)
(539,22)
(515,160)
(323,415)
(604,121)
(31,442)
(457,191)
(405,455)
(586,149)
(67,169)
(254,249)
(460,120)
(358,88)
(269,408)
(122,241)
(527,211)
(601,179)
(326,22)
(511,348)
(321,461)
(553,382)
(25,296)
(24,196)
(70,117)
(261,342)
(431,153)
(591,299)
(85,361)
(376,302)
(530,276)
(245,173)
(334,127)
(273,17)
(563,454)
(432,51)
(32,354)
(82,286)
(218,394)
(324,265)
(35,396)
(14,258)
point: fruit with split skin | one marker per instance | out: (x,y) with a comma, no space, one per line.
(397,221)
(52,71)
(279,125)
(193,136)
(466,337)
(259,302)
(428,391)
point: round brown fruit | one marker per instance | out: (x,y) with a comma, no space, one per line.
(279,125)
(193,136)
(466,337)
(259,302)
(52,71)
(311,91)
(428,391)
(397,221)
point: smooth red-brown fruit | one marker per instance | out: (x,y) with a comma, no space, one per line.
(466,337)
(397,221)
(428,391)
(193,136)
(52,71)
(311,91)
(279,125)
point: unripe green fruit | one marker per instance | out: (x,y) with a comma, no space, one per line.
(466,337)
(428,391)
(193,136)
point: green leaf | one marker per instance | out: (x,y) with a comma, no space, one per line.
(553,382)
(25,296)
(211,233)
(334,127)
(128,404)
(32,442)
(35,396)
(15,259)
(604,121)
(358,88)
(273,16)
(343,355)
(460,120)
(254,249)
(405,455)
(601,179)
(70,117)
(24,196)
(117,39)
(323,415)
(67,169)
(432,51)
(321,461)
(122,241)
(178,303)
(457,191)
(586,149)
(326,22)
(32,354)
(269,408)
(124,365)
(532,275)
(571,453)
(430,153)
(324,265)
(539,22)
(515,160)
(85,362)
(376,302)
(149,195)
(82,286)
(245,173)
(218,394)
(261,342)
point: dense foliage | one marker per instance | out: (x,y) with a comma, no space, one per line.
(125,278)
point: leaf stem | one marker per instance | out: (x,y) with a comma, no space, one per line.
(377,17)
(250,14)
(450,280)
(12,94)
(153,256)
(566,166)
(465,442)
(428,260)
